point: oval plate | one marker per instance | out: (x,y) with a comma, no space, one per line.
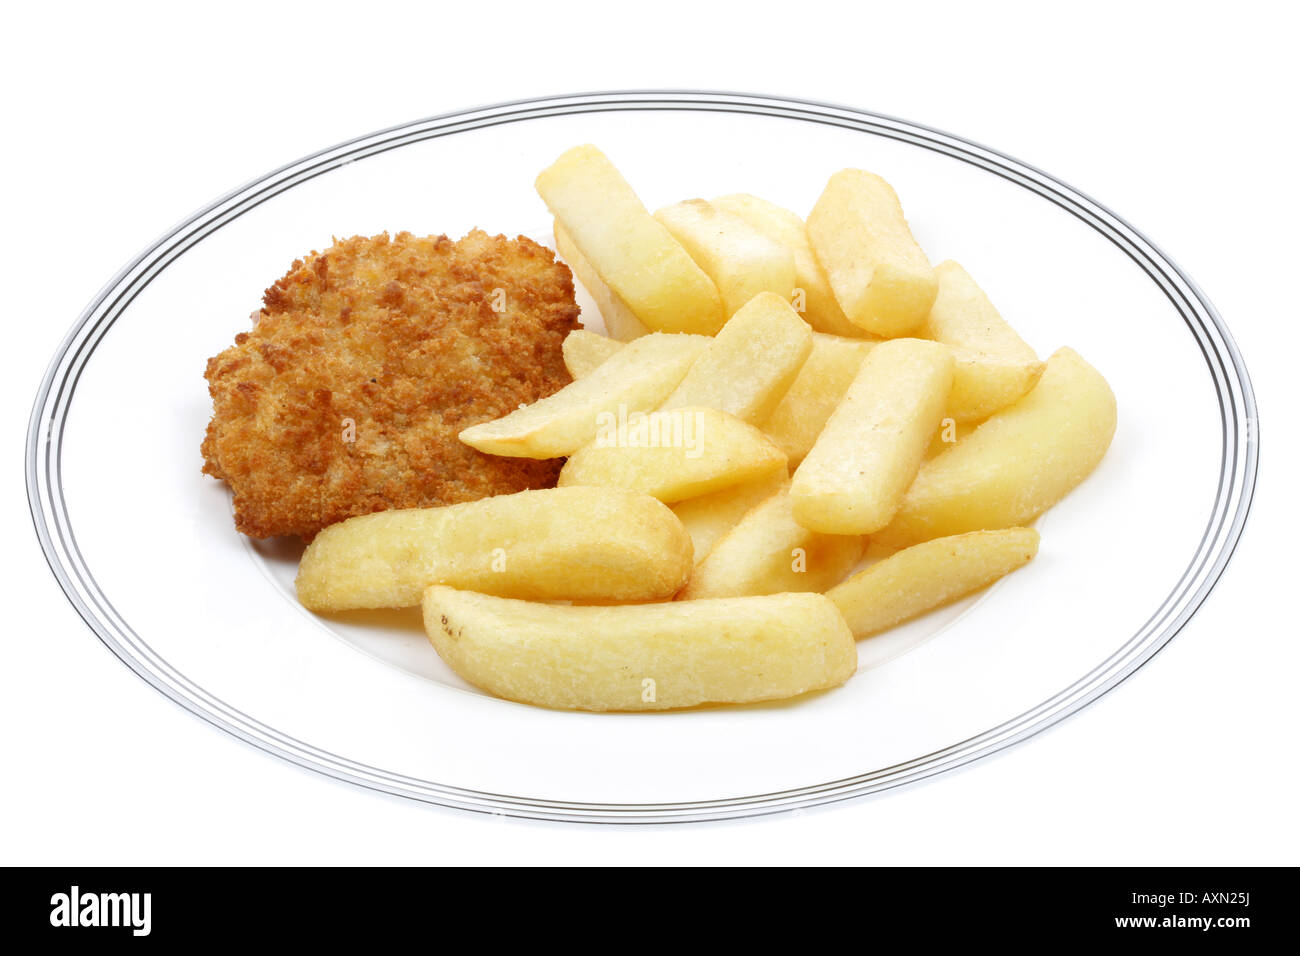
(144,547)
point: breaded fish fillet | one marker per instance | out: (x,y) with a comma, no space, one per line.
(365,363)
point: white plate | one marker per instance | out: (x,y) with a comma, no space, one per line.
(144,546)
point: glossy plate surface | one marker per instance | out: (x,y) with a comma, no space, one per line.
(148,555)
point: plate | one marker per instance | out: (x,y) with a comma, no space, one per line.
(148,555)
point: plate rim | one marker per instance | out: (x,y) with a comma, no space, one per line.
(1234,496)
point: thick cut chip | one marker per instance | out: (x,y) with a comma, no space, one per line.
(812,286)
(949,432)
(642,656)
(741,260)
(640,376)
(882,279)
(594,544)
(629,249)
(801,415)
(674,454)
(584,350)
(929,575)
(1016,465)
(855,477)
(769,552)
(994,367)
(708,517)
(749,366)
(620,321)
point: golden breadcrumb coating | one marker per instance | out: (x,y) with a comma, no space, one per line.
(365,363)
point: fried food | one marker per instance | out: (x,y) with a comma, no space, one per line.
(677,562)
(642,656)
(741,261)
(750,364)
(640,376)
(880,276)
(867,455)
(768,552)
(831,367)
(365,363)
(781,225)
(674,454)
(554,544)
(929,575)
(994,367)
(1016,465)
(629,251)
(708,517)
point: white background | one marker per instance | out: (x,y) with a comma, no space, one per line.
(122,119)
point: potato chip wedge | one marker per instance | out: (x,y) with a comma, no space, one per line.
(929,575)
(620,321)
(812,286)
(1016,465)
(882,279)
(803,412)
(674,454)
(584,350)
(994,367)
(855,477)
(949,432)
(708,517)
(768,552)
(639,376)
(741,261)
(749,366)
(553,544)
(641,656)
(629,249)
